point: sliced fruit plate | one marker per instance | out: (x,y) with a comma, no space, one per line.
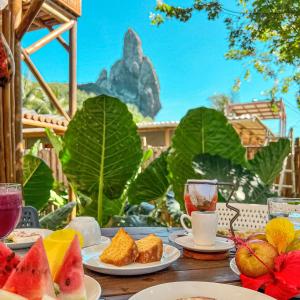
(25,238)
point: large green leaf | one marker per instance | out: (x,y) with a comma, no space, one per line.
(55,140)
(58,218)
(202,130)
(102,149)
(38,181)
(249,187)
(152,183)
(268,161)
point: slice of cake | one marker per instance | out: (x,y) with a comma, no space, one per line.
(122,250)
(150,249)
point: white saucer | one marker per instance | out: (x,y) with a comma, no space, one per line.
(221,244)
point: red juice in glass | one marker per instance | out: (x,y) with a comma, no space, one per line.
(10,208)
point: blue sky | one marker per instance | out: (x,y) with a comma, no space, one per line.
(189,58)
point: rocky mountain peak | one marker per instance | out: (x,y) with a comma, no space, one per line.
(132,79)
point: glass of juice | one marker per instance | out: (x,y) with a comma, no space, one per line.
(285,207)
(10,207)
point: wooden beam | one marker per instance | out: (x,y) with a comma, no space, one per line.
(40,124)
(44,85)
(60,39)
(55,13)
(49,37)
(73,70)
(28,18)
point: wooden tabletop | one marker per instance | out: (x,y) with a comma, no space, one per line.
(184,269)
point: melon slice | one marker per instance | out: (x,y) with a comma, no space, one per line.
(70,277)
(32,279)
(5,295)
(8,262)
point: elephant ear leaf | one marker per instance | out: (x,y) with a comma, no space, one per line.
(102,150)
(268,161)
(249,187)
(55,140)
(152,183)
(202,130)
(38,181)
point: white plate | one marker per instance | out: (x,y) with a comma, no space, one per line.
(91,261)
(42,232)
(234,268)
(93,288)
(177,290)
(222,244)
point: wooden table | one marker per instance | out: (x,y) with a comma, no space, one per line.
(184,269)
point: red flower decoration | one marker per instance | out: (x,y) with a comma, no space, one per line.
(283,283)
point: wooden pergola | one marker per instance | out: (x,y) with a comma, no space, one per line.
(19,17)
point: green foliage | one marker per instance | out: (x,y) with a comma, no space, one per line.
(264,34)
(137,116)
(58,218)
(55,140)
(249,187)
(201,131)
(268,161)
(38,181)
(152,183)
(102,150)
(220,101)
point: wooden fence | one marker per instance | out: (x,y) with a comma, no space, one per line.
(50,157)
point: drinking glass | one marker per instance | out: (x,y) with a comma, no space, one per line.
(285,207)
(10,207)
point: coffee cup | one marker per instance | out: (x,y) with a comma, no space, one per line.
(204,227)
(89,228)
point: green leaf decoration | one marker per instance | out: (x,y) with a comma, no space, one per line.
(250,188)
(58,218)
(268,161)
(34,150)
(202,130)
(55,140)
(102,150)
(38,181)
(152,183)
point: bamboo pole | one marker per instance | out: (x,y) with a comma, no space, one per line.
(73,90)
(28,18)
(59,39)
(44,85)
(12,95)
(49,37)
(2,145)
(73,70)
(7,106)
(39,124)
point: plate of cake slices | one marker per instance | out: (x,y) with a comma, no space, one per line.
(126,257)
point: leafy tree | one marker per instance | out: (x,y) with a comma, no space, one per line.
(264,34)
(220,101)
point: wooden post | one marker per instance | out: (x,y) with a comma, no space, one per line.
(73,70)
(72,88)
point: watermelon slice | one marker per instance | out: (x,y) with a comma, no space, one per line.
(8,262)
(70,277)
(5,295)
(32,279)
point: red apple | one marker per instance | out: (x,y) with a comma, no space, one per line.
(249,265)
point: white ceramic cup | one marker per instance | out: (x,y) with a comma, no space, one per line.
(89,228)
(204,227)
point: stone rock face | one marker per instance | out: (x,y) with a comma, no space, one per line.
(132,79)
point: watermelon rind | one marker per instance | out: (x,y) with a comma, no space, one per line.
(5,295)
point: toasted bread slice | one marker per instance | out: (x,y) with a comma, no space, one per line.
(122,250)
(150,249)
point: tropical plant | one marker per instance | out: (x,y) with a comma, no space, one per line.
(220,101)
(264,34)
(102,158)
